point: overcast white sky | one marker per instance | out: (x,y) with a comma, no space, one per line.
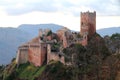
(62,12)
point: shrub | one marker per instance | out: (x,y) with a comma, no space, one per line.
(49,33)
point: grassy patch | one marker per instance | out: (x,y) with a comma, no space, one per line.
(28,71)
(24,71)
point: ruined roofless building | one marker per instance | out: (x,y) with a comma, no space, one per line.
(88,23)
(39,51)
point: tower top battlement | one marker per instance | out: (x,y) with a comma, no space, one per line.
(88,12)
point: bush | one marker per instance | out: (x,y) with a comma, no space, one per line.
(115,36)
(49,33)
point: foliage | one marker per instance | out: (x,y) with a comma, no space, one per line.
(1,71)
(29,71)
(115,36)
(24,71)
(87,59)
(79,36)
(76,51)
(56,71)
(55,47)
(97,46)
(113,42)
(49,33)
(9,72)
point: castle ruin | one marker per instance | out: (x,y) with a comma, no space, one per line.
(48,46)
(88,23)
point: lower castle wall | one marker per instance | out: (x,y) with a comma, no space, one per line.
(22,56)
(34,56)
(56,57)
(37,54)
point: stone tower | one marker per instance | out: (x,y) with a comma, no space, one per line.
(40,32)
(88,23)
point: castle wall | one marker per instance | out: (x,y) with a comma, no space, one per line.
(37,54)
(48,53)
(54,56)
(43,53)
(65,42)
(49,37)
(22,56)
(34,55)
(60,35)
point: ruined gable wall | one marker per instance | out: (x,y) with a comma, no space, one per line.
(56,57)
(53,55)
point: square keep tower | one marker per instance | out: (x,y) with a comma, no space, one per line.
(88,23)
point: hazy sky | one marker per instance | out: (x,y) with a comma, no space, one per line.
(62,12)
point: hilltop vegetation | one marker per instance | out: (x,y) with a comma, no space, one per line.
(24,72)
(56,71)
(113,42)
(1,72)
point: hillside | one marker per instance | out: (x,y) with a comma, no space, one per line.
(23,72)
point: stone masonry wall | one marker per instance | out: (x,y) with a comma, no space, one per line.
(22,56)
(54,56)
(37,54)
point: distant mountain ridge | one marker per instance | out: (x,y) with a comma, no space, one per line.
(11,38)
(108,31)
(34,29)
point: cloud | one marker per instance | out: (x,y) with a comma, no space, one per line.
(16,8)
(102,7)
